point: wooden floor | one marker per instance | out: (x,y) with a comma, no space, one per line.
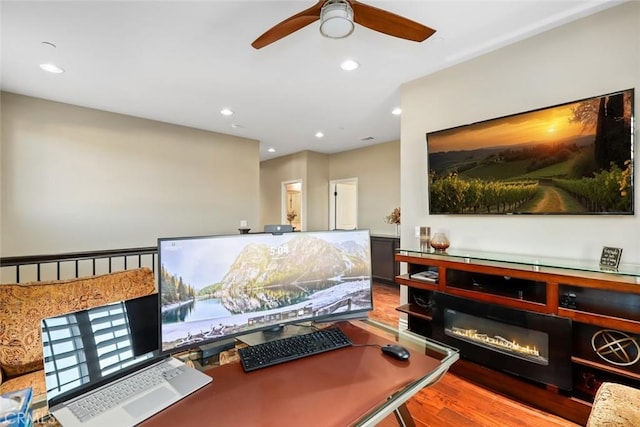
(454,401)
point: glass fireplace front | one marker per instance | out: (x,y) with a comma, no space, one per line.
(531,345)
(515,341)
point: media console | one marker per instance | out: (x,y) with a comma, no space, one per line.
(601,309)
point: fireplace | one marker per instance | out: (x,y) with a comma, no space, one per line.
(527,344)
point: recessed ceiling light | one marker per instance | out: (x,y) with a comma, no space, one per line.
(396,111)
(271,150)
(226,112)
(319,134)
(349,65)
(52,68)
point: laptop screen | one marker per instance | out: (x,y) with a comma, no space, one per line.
(89,348)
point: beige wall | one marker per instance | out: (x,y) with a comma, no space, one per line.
(593,56)
(378,171)
(310,167)
(272,174)
(75,179)
(317,190)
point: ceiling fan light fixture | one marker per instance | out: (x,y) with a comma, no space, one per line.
(336,19)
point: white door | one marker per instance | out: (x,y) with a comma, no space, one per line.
(343,204)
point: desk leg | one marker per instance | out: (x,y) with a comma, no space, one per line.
(403,416)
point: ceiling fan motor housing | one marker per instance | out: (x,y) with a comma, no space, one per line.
(336,19)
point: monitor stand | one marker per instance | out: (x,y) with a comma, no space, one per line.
(275,333)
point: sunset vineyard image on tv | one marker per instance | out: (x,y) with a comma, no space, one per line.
(217,287)
(574,158)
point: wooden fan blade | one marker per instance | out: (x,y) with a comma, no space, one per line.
(289,25)
(389,23)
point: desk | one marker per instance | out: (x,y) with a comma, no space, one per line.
(355,385)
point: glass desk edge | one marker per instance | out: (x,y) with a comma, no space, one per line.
(391,405)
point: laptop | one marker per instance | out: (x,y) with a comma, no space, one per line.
(103,367)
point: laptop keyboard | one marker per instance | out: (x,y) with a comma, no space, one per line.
(112,395)
(294,347)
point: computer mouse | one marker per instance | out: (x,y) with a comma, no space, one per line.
(396,351)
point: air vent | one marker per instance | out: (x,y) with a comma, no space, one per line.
(367,138)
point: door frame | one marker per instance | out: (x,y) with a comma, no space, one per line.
(332,200)
(283,203)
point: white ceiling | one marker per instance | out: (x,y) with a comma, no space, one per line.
(181,62)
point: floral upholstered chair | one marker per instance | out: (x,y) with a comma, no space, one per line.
(24,305)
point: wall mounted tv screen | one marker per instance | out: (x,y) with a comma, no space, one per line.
(574,158)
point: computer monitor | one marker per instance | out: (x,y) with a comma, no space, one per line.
(217,287)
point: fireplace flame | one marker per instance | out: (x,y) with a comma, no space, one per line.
(497,341)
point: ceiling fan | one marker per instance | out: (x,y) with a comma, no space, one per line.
(337,19)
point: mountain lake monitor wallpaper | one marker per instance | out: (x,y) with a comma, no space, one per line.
(227,285)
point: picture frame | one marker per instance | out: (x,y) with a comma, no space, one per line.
(610,258)
(574,158)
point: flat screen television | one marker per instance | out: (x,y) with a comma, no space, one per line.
(218,287)
(574,158)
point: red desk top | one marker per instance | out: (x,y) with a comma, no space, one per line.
(335,388)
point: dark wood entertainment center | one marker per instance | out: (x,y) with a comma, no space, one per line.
(600,304)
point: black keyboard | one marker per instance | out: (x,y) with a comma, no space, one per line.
(292,348)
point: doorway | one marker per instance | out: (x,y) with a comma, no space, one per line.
(343,204)
(292,204)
